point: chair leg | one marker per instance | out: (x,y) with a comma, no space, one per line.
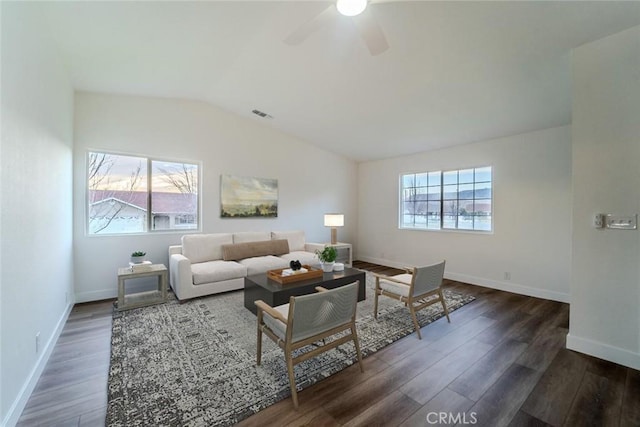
(259,343)
(357,344)
(375,304)
(292,379)
(444,305)
(259,348)
(415,320)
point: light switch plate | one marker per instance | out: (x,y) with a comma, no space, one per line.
(622,222)
(598,220)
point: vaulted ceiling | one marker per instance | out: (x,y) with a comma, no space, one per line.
(455,72)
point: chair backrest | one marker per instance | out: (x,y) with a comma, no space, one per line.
(319,312)
(426,279)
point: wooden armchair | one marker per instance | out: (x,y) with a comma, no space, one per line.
(415,289)
(309,319)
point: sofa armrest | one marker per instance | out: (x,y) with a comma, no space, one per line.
(175,249)
(180,276)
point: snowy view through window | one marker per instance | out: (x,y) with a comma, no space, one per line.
(458,199)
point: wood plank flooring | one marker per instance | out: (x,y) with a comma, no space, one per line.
(72,390)
(500,362)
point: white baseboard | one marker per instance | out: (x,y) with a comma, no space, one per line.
(488,283)
(604,351)
(96,295)
(382,262)
(510,287)
(13,415)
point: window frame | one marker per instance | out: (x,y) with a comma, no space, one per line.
(442,200)
(149,178)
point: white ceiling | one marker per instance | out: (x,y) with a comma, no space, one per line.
(456,72)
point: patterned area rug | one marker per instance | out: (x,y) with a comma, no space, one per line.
(193,364)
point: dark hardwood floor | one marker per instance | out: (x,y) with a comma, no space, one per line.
(501,361)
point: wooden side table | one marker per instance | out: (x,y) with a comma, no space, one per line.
(141,299)
(345,251)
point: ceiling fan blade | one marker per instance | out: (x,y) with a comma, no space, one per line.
(371,32)
(314,24)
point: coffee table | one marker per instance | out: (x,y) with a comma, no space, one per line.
(259,286)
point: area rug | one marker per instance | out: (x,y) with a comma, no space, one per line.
(193,364)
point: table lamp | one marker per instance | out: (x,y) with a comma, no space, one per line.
(334,220)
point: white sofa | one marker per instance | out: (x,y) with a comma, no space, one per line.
(211,263)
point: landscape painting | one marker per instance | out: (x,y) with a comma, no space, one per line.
(248,197)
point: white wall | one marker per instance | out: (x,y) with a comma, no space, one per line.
(532,215)
(605,284)
(311,181)
(36,208)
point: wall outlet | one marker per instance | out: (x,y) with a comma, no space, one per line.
(507,275)
(37,342)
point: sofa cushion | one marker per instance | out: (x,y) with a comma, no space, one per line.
(276,325)
(216,271)
(262,264)
(307,258)
(204,247)
(397,288)
(251,236)
(239,251)
(295,238)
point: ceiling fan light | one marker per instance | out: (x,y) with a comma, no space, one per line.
(351,7)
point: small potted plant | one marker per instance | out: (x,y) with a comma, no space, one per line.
(137,257)
(327,258)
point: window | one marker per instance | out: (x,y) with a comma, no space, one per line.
(455,200)
(130,194)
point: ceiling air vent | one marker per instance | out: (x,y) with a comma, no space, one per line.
(262,114)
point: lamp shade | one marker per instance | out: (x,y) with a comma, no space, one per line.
(351,7)
(333,220)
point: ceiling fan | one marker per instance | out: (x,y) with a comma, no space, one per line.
(361,15)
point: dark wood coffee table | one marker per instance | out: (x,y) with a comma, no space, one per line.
(258,286)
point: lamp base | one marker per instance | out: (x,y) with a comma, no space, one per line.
(334,235)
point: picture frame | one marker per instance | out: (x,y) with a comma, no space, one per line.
(248,197)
